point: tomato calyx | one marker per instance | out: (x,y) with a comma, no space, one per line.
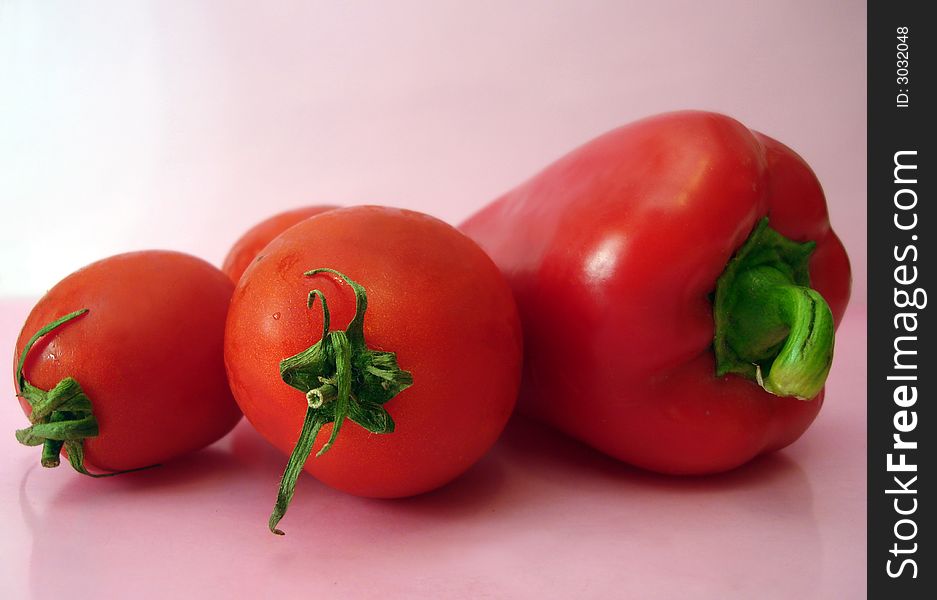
(62,416)
(342,379)
(770,325)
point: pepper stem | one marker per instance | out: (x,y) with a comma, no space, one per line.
(771,326)
(341,378)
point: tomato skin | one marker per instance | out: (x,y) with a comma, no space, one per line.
(434,298)
(249,245)
(148,354)
(613,253)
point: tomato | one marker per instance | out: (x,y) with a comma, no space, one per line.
(433,298)
(147,354)
(253,241)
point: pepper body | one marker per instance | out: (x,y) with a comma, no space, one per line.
(613,254)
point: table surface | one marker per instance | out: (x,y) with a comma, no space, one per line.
(540,516)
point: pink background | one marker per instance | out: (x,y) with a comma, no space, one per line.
(174,124)
(180,124)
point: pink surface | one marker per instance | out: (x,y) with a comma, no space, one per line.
(539,517)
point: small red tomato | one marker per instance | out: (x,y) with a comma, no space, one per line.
(421,342)
(121,362)
(252,242)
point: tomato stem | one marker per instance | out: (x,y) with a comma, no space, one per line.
(60,417)
(342,379)
(311,425)
(771,326)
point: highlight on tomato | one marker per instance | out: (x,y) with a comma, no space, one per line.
(120,365)
(383,340)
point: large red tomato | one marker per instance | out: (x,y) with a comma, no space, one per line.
(254,239)
(139,377)
(428,295)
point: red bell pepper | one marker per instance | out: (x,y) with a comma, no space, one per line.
(678,283)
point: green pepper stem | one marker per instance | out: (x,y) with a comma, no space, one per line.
(771,327)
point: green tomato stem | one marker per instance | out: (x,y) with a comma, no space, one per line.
(60,417)
(311,426)
(341,379)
